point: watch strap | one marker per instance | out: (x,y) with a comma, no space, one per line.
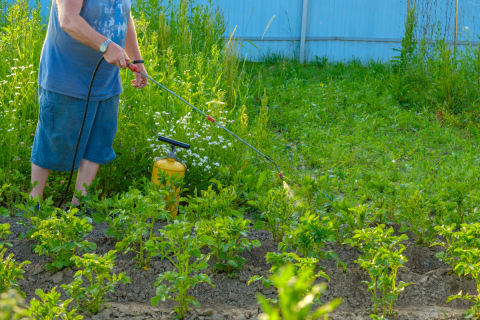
(105,45)
(138,61)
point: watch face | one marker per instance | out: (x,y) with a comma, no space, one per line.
(103,48)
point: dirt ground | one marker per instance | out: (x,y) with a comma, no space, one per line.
(232,298)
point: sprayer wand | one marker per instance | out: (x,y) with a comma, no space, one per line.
(134,68)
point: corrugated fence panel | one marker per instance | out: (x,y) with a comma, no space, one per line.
(348,29)
(338,29)
(267,24)
(469,20)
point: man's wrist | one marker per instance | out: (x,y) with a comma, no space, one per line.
(104,46)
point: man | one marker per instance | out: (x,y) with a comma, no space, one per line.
(79,33)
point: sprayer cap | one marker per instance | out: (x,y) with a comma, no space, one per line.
(171,165)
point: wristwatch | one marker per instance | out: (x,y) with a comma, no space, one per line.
(103,47)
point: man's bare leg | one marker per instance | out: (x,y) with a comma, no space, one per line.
(86,173)
(40,175)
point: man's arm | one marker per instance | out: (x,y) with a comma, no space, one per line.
(133,51)
(73,24)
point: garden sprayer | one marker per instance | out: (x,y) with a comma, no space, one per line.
(174,143)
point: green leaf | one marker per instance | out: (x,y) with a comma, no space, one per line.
(195,303)
(232,263)
(258,225)
(202,265)
(155,300)
(256,243)
(196,253)
(261,179)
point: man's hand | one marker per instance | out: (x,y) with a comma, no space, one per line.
(115,55)
(140,81)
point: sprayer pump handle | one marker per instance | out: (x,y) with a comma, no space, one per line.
(174,142)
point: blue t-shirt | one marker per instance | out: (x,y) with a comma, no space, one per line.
(66,65)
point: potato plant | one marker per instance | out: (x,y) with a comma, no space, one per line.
(309,236)
(181,247)
(10,191)
(228,239)
(211,204)
(343,216)
(60,238)
(35,210)
(299,264)
(11,305)
(3,211)
(296,295)
(50,307)
(381,258)
(463,255)
(131,220)
(10,270)
(277,212)
(250,182)
(461,192)
(98,271)
(312,190)
(415,213)
(91,201)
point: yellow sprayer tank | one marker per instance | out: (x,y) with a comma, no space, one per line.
(171,166)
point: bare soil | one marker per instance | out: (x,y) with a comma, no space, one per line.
(232,298)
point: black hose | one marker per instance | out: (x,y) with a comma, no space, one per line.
(80,134)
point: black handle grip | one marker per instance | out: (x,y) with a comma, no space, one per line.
(174,142)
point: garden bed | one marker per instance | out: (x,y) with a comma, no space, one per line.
(233,298)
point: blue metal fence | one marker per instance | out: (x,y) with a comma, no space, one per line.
(340,29)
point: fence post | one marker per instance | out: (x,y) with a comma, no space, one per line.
(304,31)
(456,24)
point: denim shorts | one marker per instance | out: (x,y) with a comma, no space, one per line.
(59,121)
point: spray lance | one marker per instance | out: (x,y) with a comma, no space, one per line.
(134,68)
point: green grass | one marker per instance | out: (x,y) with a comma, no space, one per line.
(342,119)
(378,130)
